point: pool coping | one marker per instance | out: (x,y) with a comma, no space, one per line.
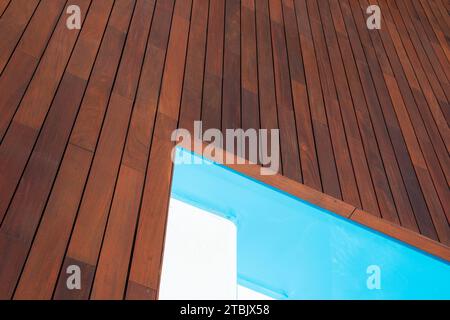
(327,202)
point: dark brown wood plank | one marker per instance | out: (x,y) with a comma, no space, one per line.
(286,118)
(112,269)
(266,83)
(33,109)
(347,109)
(344,164)
(439,121)
(427,53)
(419,158)
(307,147)
(13,24)
(327,165)
(406,166)
(86,239)
(212,89)
(418,15)
(191,101)
(371,82)
(441,36)
(147,254)
(23,62)
(31,196)
(3,5)
(44,262)
(377,68)
(249,67)
(231,99)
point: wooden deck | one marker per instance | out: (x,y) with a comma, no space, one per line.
(86,118)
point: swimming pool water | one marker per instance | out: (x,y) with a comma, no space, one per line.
(291,249)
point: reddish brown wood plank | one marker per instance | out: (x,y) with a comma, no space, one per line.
(344,164)
(266,83)
(13,24)
(305,134)
(86,239)
(33,109)
(45,258)
(249,67)
(436,27)
(231,100)
(212,90)
(290,157)
(420,157)
(112,270)
(146,260)
(371,82)
(23,62)
(3,5)
(28,203)
(347,108)
(191,101)
(327,165)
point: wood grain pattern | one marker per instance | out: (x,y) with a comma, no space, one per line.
(86,118)
(13,24)
(86,239)
(47,253)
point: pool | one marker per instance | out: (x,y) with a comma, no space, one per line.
(291,249)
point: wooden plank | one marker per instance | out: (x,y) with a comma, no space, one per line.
(281,182)
(428,55)
(231,96)
(266,84)
(112,270)
(440,149)
(371,82)
(437,29)
(86,239)
(286,118)
(33,109)
(417,155)
(307,146)
(432,80)
(328,172)
(402,94)
(212,90)
(23,62)
(344,164)
(411,183)
(249,67)
(146,260)
(347,109)
(13,24)
(393,148)
(44,262)
(3,6)
(442,18)
(402,234)
(37,180)
(444,8)
(421,17)
(191,101)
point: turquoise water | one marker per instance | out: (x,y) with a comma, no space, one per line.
(291,249)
